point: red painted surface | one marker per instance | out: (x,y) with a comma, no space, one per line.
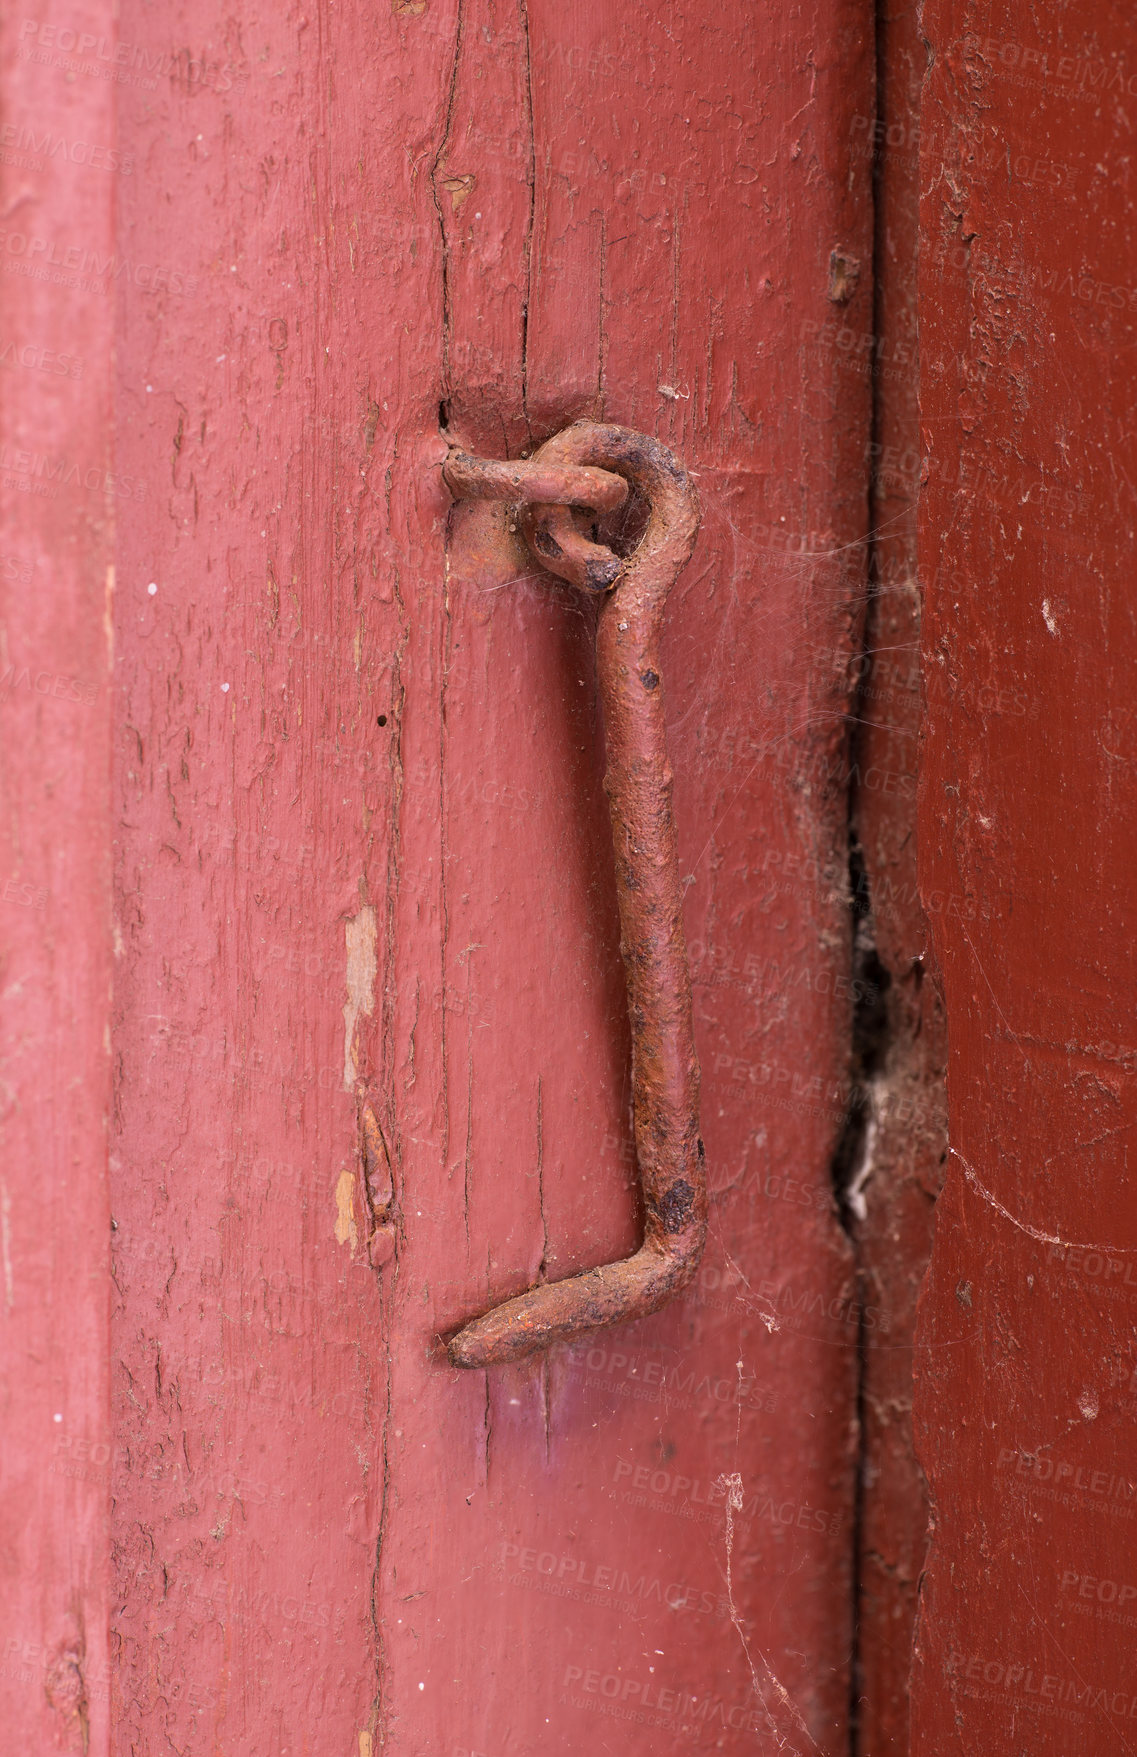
(254,793)
(564,1524)
(368,1037)
(326,1538)
(57,508)
(1027,813)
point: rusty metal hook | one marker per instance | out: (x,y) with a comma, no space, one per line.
(590,466)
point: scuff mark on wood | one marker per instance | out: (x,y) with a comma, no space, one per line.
(362,966)
(346,1230)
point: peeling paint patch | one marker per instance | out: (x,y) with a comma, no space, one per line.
(844,274)
(459,190)
(361,968)
(108,612)
(6,1245)
(66,1691)
(365,1745)
(346,1231)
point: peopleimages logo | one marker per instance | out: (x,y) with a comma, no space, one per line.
(1021,1680)
(36,359)
(662,1492)
(671,1381)
(57,684)
(46,473)
(1075,73)
(1105,1485)
(1104,1591)
(24,138)
(54,45)
(1096,1265)
(648,1700)
(40,258)
(577,1577)
(236,1603)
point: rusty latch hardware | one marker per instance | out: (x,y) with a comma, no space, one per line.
(589,467)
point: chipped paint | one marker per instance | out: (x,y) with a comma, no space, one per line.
(6,1245)
(361,970)
(108,611)
(346,1230)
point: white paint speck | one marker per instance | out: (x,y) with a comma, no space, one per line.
(1089,1404)
(152,588)
(1048,616)
(422,1686)
(57,1418)
(225,689)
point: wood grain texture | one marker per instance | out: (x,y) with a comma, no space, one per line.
(370,1018)
(256,788)
(58,495)
(564,1523)
(1027,815)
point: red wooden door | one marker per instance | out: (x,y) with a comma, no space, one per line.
(316,1036)
(363,880)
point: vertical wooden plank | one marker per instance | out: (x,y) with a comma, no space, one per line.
(59,487)
(278,405)
(558,1566)
(1027,822)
